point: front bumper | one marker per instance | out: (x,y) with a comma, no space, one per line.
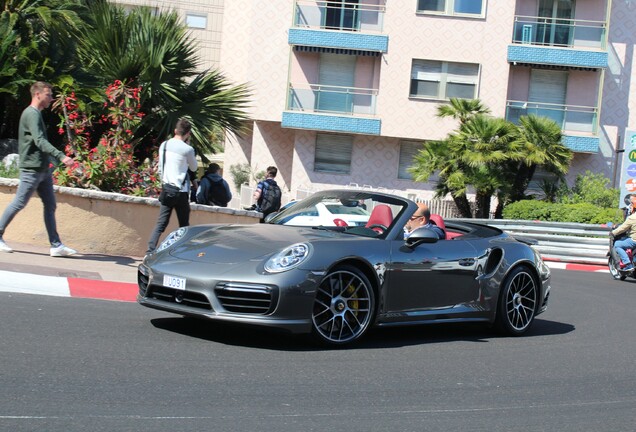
(283,301)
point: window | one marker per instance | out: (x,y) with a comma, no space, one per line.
(452,7)
(333,153)
(408,151)
(444,80)
(129,8)
(194,20)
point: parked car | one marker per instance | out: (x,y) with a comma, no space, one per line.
(337,281)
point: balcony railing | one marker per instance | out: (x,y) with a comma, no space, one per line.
(559,32)
(571,118)
(332,99)
(330,15)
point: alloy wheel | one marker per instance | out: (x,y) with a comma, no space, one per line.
(343,306)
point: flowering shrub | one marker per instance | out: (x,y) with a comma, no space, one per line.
(109,164)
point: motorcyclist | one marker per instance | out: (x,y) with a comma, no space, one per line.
(629,242)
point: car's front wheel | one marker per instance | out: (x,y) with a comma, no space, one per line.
(517,302)
(344,305)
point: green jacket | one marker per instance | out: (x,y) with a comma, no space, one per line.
(33,144)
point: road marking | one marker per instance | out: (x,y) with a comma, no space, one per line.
(26,283)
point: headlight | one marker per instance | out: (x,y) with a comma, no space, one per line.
(288,258)
(172,238)
(544,270)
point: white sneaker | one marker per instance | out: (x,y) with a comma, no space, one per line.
(5,247)
(62,251)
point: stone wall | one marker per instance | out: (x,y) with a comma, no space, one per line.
(103,222)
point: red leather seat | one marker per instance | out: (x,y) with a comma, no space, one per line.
(437,219)
(380,215)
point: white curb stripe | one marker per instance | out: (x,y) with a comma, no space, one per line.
(26,283)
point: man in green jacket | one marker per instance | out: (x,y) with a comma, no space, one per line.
(35,174)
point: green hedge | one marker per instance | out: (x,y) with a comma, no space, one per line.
(545,211)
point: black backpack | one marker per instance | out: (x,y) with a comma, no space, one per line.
(216,192)
(270,198)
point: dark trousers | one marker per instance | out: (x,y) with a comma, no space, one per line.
(182,207)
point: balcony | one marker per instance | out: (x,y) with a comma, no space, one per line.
(344,26)
(332,99)
(347,16)
(561,42)
(559,32)
(578,123)
(332,108)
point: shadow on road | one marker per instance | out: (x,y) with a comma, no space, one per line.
(393,337)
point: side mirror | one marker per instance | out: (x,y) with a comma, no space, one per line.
(421,235)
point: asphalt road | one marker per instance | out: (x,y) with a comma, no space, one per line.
(70,364)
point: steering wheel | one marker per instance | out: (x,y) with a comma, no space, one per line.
(379,228)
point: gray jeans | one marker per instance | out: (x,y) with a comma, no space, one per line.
(42,182)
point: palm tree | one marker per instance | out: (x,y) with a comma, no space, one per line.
(488,144)
(437,156)
(462,109)
(156,53)
(33,36)
(469,158)
(541,139)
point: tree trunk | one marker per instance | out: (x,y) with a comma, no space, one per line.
(501,203)
(482,205)
(521,182)
(463,206)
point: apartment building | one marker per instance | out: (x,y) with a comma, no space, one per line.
(346,91)
(204,18)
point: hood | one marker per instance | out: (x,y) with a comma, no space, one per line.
(232,244)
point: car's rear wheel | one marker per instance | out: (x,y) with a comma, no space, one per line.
(517,302)
(344,305)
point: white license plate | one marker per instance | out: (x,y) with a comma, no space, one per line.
(174,282)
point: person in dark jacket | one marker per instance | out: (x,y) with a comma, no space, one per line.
(213,189)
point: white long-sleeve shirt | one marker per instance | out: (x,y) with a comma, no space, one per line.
(179,158)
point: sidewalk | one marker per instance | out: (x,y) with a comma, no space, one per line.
(30,269)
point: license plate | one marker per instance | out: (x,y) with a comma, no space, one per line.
(174,282)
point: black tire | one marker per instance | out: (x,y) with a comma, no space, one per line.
(344,306)
(518,302)
(613,269)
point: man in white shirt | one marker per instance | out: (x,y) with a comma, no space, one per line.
(176,156)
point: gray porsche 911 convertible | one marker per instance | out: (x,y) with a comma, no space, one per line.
(337,276)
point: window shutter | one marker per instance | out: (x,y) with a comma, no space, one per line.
(426,70)
(337,70)
(408,151)
(333,153)
(462,72)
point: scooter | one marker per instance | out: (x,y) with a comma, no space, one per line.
(614,261)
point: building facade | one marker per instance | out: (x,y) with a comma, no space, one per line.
(346,91)
(204,18)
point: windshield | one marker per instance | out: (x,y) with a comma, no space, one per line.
(352,212)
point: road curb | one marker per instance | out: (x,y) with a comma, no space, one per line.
(577,267)
(27,283)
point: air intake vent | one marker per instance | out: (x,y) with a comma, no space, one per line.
(245,299)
